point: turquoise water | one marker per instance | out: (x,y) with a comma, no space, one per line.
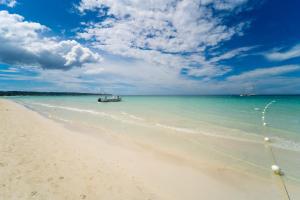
(225,129)
(190,112)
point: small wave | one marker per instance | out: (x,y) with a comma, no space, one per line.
(285,144)
(77,110)
(205,133)
(63,120)
(132,116)
(186,130)
(103,114)
(68,108)
(278,142)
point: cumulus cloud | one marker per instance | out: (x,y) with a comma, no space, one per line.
(23,43)
(8,3)
(170,34)
(293,52)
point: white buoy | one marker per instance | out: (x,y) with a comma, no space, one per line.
(276,169)
(267,139)
(265,124)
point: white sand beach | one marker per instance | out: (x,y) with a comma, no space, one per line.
(44,159)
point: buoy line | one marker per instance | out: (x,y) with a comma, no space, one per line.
(275,168)
(264,112)
(278,172)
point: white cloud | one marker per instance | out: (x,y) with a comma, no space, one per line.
(123,77)
(93,70)
(225,4)
(170,26)
(212,71)
(242,51)
(167,34)
(8,3)
(23,43)
(264,72)
(9,70)
(163,37)
(211,67)
(294,52)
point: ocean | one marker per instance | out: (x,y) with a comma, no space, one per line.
(225,130)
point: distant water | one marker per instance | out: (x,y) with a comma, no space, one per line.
(235,122)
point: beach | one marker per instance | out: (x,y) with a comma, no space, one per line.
(43,158)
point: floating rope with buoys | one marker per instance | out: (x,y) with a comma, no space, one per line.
(275,168)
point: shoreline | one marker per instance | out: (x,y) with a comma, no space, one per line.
(44,159)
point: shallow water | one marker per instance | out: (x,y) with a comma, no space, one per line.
(224,129)
(189,113)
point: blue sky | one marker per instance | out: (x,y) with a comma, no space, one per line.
(151,47)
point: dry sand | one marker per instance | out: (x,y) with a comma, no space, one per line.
(43,159)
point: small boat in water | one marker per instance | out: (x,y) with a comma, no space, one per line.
(109,99)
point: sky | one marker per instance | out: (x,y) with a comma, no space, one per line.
(162,47)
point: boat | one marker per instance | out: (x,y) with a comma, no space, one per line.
(109,99)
